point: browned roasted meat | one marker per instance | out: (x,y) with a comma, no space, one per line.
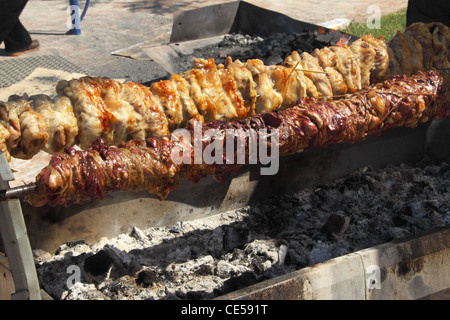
(76,176)
(441,38)
(37,123)
(421,33)
(305,65)
(4,136)
(380,70)
(422,46)
(366,55)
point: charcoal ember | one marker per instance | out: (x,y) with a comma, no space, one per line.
(177,227)
(437,219)
(78,246)
(99,263)
(399,233)
(324,251)
(72,244)
(271,49)
(275,58)
(298,254)
(138,234)
(265,255)
(417,208)
(432,170)
(105,263)
(336,225)
(328,38)
(40,255)
(185,270)
(234,283)
(282,254)
(399,220)
(235,238)
(239,39)
(215,242)
(259,265)
(225,269)
(146,278)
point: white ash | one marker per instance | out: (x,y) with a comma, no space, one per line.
(271,49)
(206,258)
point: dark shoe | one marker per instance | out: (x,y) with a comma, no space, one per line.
(34,46)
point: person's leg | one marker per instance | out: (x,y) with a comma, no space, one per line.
(10,11)
(12,32)
(18,38)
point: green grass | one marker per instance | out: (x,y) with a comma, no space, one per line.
(389,25)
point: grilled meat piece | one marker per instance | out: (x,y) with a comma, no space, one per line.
(307,65)
(4,136)
(366,55)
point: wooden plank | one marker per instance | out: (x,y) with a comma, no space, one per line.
(14,236)
(6,279)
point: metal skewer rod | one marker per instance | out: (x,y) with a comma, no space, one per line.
(17,192)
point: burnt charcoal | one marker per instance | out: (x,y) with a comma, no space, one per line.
(239,39)
(399,221)
(72,244)
(225,269)
(146,278)
(421,224)
(297,254)
(235,238)
(437,219)
(177,227)
(432,170)
(336,225)
(98,264)
(418,209)
(399,233)
(416,190)
(272,49)
(138,234)
(198,295)
(103,262)
(258,265)
(244,280)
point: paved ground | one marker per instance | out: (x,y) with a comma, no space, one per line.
(111,25)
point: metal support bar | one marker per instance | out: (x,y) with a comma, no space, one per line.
(15,240)
(411,269)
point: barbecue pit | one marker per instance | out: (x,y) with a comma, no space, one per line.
(95,219)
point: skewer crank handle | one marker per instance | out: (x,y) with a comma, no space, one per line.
(17,192)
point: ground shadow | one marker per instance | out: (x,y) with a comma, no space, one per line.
(162,7)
